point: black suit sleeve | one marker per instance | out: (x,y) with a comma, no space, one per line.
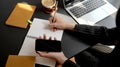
(95,34)
(69,63)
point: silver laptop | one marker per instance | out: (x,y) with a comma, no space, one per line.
(88,11)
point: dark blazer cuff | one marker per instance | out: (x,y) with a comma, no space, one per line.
(69,63)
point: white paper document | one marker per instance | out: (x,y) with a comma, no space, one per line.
(40,27)
(28,49)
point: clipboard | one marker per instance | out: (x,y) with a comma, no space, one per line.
(20,15)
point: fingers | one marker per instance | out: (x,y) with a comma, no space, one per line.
(53,19)
(46,54)
(50,19)
(40,37)
(55,38)
(50,38)
(43,54)
(53,26)
(45,37)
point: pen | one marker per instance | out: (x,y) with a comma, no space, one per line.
(53,21)
(55,13)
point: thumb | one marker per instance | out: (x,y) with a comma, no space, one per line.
(43,54)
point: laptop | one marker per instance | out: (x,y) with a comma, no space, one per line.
(88,11)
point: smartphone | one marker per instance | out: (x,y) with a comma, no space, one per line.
(48,45)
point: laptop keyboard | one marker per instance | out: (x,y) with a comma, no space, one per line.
(86,7)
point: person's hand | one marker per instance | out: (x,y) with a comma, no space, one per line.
(58,56)
(45,38)
(59,23)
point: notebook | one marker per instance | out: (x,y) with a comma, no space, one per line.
(20,15)
(40,27)
(20,61)
(88,11)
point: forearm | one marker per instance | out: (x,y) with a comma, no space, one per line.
(91,30)
(95,34)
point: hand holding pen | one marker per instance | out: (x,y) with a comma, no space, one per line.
(56,22)
(60,24)
(53,20)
